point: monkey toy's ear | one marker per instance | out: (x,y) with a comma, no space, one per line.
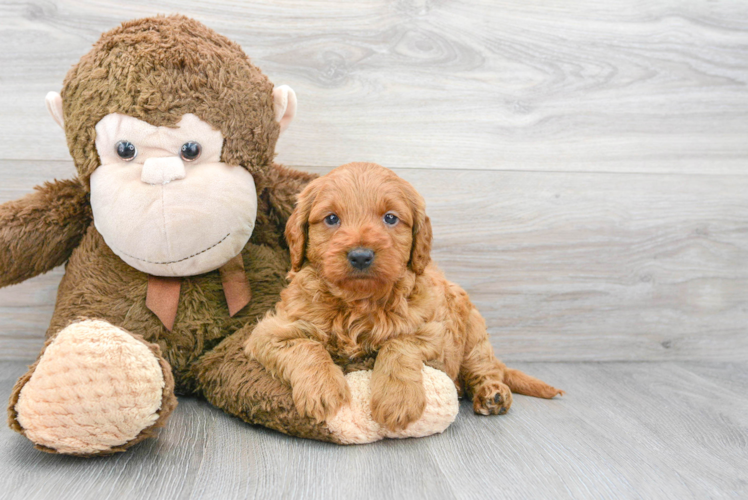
(297,225)
(284,102)
(54,106)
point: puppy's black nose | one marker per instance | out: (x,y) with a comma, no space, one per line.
(361,258)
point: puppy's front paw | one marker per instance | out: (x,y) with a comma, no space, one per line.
(492,398)
(395,403)
(353,424)
(321,394)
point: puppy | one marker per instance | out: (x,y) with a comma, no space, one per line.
(364,293)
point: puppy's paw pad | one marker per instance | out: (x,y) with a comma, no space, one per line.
(492,399)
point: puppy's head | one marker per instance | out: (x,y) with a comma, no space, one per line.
(362,227)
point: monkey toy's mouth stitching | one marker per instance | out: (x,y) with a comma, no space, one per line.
(180,260)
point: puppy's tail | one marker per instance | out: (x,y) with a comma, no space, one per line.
(522,383)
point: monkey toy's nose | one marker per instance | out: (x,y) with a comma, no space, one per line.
(162,170)
(361,258)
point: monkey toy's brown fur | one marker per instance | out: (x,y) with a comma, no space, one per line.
(203,73)
(397,314)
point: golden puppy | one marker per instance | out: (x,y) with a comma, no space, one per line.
(363,293)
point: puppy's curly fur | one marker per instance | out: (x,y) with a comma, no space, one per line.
(395,313)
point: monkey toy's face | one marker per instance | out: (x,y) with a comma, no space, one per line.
(163,200)
(162,197)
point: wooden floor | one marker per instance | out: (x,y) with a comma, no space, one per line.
(624,430)
(585,166)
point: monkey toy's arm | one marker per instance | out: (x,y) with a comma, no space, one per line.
(39,231)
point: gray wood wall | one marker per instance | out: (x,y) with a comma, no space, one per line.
(584,163)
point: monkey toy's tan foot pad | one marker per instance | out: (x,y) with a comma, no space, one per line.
(96,389)
(353,424)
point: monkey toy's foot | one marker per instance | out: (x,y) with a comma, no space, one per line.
(96,389)
(353,424)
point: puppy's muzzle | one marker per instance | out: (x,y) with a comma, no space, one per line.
(361,258)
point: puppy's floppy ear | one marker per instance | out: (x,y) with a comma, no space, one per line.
(420,254)
(297,225)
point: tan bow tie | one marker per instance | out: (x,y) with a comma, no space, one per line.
(162,297)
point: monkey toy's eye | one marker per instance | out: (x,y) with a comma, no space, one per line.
(390,219)
(126,150)
(190,151)
(332,220)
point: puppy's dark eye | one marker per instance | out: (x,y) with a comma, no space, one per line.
(126,150)
(190,151)
(390,219)
(332,220)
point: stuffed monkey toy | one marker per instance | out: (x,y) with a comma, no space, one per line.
(172,239)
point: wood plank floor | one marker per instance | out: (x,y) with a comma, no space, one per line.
(624,430)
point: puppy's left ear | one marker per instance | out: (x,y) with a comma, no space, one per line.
(297,225)
(420,254)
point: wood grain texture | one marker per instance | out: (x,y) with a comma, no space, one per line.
(480,84)
(563,266)
(625,430)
